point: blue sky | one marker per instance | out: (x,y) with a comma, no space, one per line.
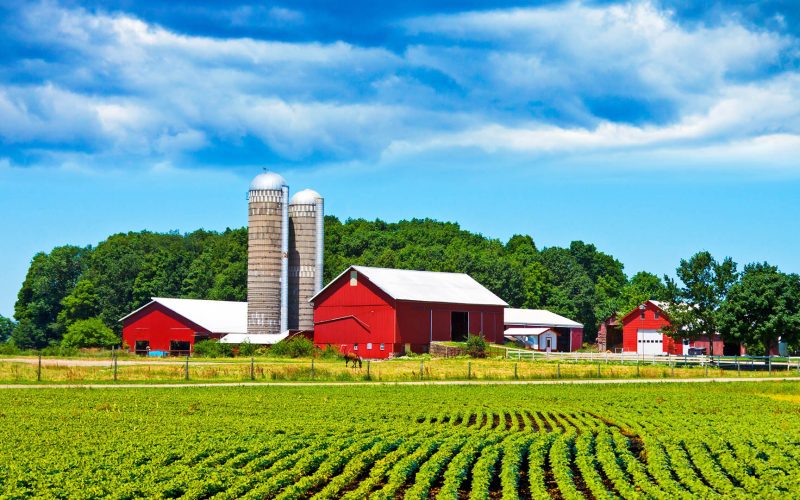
(652,129)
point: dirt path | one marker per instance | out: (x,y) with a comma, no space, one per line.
(432,382)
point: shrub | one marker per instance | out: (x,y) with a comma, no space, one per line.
(296,347)
(476,346)
(212,349)
(90,332)
(9,348)
(247,349)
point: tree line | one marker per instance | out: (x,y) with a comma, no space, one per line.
(76,295)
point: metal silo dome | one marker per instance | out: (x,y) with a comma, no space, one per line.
(305,197)
(268,181)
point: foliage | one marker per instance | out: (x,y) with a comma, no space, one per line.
(694,304)
(295,347)
(762,306)
(477,346)
(212,349)
(90,332)
(6,328)
(50,278)
(81,303)
(247,349)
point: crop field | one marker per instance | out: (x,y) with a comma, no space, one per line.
(378,441)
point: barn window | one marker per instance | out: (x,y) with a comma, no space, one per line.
(381,347)
(642,314)
(353,278)
(656,314)
(355,347)
(369,345)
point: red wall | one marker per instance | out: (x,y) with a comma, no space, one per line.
(345,315)
(577,338)
(632,323)
(158,325)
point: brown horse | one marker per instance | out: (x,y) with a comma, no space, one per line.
(355,358)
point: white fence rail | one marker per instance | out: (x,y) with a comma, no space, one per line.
(733,362)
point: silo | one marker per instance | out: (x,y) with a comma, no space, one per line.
(306,249)
(267,255)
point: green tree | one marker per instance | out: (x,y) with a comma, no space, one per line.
(694,304)
(90,332)
(643,286)
(50,278)
(6,328)
(762,306)
(81,303)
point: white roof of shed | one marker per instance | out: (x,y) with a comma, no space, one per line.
(257,339)
(538,317)
(525,332)
(426,286)
(216,316)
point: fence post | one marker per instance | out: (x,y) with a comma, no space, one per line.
(252,368)
(738,371)
(39,370)
(637,368)
(421,367)
(558,370)
(672,368)
(515,371)
(367,368)
(598,370)
(115,367)
(706,369)
(469,370)
(187,367)
(769,365)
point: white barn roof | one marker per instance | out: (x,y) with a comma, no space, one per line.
(538,317)
(426,286)
(216,316)
(525,332)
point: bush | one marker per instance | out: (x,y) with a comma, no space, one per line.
(247,349)
(9,348)
(90,332)
(476,346)
(296,347)
(212,349)
(60,351)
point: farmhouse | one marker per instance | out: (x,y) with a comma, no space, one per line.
(172,326)
(542,330)
(378,312)
(639,331)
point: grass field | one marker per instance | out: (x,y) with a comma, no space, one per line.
(398,370)
(632,441)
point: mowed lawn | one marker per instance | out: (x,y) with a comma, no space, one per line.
(629,441)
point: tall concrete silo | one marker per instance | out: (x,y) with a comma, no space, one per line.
(267,255)
(306,250)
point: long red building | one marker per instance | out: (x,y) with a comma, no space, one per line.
(172,326)
(378,312)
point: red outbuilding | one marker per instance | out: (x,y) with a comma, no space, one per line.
(639,331)
(378,313)
(172,326)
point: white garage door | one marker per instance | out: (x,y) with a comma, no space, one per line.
(650,342)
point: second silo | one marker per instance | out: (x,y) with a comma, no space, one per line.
(306,235)
(267,255)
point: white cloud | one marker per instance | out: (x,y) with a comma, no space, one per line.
(518,81)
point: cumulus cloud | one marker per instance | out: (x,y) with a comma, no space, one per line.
(564,79)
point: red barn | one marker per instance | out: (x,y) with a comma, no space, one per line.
(172,326)
(378,312)
(641,334)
